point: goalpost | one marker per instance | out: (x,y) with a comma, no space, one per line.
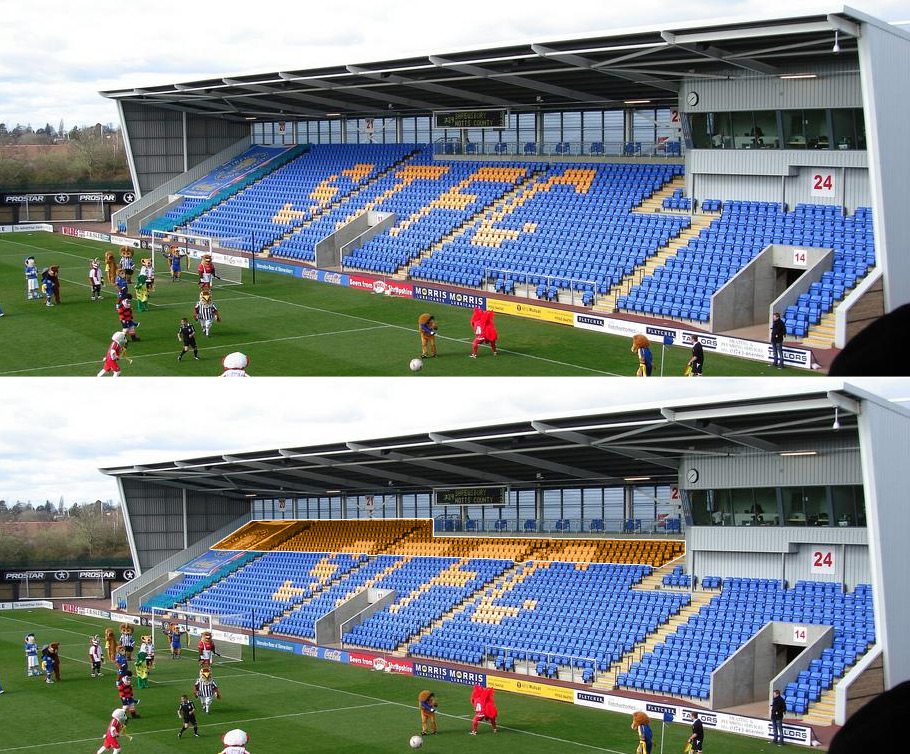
(225,629)
(227,253)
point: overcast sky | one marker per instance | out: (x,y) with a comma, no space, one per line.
(56,56)
(56,433)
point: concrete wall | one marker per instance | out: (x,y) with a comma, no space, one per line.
(352,612)
(864,305)
(756,668)
(379,222)
(759,289)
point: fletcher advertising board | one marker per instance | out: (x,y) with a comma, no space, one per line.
(754,350)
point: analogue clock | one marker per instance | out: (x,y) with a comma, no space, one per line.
(692,476)
(692,99)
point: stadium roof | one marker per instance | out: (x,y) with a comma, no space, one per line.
(597,448)
(600,70)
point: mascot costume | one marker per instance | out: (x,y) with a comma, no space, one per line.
(427,704)
(205,312)
(31,656)
(95,279)
(235,365)
(484,707)
(126,263)
(205,689)
(207,651)
(427,325)
(642,724)
(148,269)
(207,273)
(142,292)
(642,347)
(148,646)
(484,329)
(95,656)
(235,742)
(31,279)
(126,640)
(128,325)
(110,644)
(110,266)
(125,689)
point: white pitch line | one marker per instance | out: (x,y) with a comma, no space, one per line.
(219,347)
(378,702)
(219,724)
(363,319)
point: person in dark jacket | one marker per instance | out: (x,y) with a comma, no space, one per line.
(778,332)
(778,708)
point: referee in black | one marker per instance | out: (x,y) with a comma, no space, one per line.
(187,712)
(698,734)
(697,362)
(187,335)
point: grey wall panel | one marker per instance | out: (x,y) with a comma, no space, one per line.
(884,55)
(157,143)
(778,176)
(836,86)
(778,553)
(885,436)
(836,463)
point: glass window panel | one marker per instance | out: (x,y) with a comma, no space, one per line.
(571,129)
(742,129)
(592,126)
(644,504)
(701,514)
(765,134)
(644,126)
(552,504)
(720,126)
(552,128)
(848,506)
(571,504)
(698,128)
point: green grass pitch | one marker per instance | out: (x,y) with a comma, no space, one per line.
(287,704)
(287,327)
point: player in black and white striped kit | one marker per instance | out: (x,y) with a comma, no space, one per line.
(205,312)
(205,689)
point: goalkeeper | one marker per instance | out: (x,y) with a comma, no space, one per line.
(426,325)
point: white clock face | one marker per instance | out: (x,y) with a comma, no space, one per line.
(692,476)
(692,99)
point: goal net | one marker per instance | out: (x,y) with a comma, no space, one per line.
(225,629)
(227,254)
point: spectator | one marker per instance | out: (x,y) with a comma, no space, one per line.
(778,331)
(778,708)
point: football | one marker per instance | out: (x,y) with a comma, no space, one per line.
(416,365)
(416,741)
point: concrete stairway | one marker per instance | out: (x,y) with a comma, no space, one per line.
(822,334)
(655,203)
(607,680)
(607,303)
(496,211)
(821,712)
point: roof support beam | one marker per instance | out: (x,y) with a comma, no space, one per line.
(520,458)
(449,91)
(448,468)
(717,430)
(525,82)
(579,61)
(710,51)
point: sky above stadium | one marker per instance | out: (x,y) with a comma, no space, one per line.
(56,433)
(57,56)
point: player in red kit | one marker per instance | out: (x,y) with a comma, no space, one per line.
(484,331)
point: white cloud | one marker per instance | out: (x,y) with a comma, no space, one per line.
(56,433)
(53,68)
